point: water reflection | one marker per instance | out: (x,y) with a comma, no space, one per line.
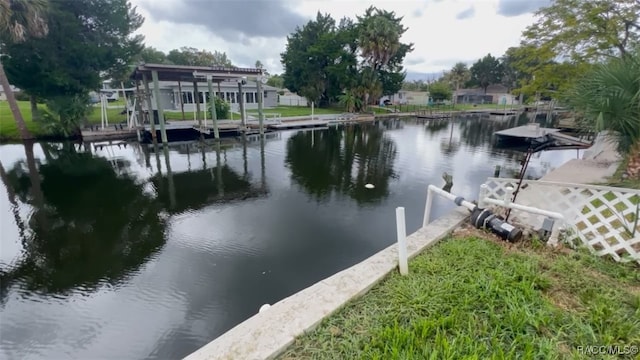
(195,189)
(90,226)
(343,160)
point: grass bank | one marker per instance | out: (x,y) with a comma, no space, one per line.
(473,297)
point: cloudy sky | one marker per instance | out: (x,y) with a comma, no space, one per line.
(443,31)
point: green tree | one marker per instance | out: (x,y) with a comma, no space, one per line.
(194,57)
(379,33)
(458,75)
(319,59)
(276,81)
(485,72)
(20,20)
(587,29)
(97,38)
(440,91)
(608,98)
(151,55)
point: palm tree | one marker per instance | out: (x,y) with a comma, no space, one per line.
(20,20)
(459,75)
(379,41)
(608,98)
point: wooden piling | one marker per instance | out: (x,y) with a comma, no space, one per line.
(156,94)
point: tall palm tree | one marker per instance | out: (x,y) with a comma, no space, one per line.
(608,98)
(460,74)
(20,20)
(379,41)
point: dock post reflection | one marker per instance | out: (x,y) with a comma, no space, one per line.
(263,175)
(172,188)
(219,170)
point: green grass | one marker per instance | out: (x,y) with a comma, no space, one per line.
(286,111)
(9,131)
(472,298)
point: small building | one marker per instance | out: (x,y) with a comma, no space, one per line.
(495,94)
(3,95)
(403,97)
(289,98)
(170,95)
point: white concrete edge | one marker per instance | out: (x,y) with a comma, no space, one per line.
(267,334)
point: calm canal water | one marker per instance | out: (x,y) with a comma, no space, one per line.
(143,253)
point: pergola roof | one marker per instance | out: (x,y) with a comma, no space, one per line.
(186,73)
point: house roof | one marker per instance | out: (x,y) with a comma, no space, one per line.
(191,73)
(203,84)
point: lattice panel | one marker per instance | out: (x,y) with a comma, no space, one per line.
(603,218)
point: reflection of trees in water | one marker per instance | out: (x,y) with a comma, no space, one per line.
(343,160)
(93,226)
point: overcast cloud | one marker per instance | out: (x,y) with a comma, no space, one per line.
(466,14)
(232,20)
(519,7)
(250,30)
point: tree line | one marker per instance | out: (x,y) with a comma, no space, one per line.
(351,61)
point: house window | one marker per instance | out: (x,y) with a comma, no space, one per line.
(200,97)
(249,98)
(220,95)
(265,94)
(187,97)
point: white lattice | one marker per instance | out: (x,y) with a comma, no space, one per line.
(602,217)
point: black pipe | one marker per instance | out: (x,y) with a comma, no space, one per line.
(485,219)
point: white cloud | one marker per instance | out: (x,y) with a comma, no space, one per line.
(440,40)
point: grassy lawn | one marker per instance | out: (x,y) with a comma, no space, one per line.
(286,111)
(475,297)
(8,130)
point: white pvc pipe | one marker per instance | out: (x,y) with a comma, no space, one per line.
(529,209)
(451,197)
(402,241)
(427,207)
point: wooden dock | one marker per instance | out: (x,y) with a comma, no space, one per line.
(298,124)
(98,134)
(430,114)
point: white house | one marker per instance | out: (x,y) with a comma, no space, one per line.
(171,96)
(496,94)
(403,97)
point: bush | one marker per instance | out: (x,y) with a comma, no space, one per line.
(65,113)
(222,109)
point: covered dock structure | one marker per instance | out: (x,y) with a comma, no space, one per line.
(144,74)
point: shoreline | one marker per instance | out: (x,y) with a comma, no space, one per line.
(368,116)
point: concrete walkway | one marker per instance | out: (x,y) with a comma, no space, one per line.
(598,164)
(267,334)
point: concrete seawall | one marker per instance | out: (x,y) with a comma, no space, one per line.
(267,334)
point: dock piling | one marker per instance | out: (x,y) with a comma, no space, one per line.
(260,106)
(152,120)
(214,115)
(156,94)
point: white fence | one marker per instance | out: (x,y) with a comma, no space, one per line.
(291,100)
(605,219)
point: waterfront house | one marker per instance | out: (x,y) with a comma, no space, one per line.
(170,95)
(496,94)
